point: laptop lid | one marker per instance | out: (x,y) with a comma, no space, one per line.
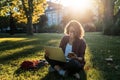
(55,53)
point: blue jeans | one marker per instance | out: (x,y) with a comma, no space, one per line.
(72,67)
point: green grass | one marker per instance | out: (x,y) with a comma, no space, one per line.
(17,48)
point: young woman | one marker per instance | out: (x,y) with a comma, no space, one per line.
(72,42)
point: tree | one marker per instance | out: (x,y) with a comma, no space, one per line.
(32,10)
(3,8)
(12,24)
(27,11)
(111,17)
(43,20)
(38,27)
(4,20)
(108,16)
(6,11)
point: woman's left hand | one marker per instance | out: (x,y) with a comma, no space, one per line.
(79,58)
(72,55)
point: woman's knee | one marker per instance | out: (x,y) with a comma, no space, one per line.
(76,64)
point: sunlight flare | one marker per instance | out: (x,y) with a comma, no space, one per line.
(78,4)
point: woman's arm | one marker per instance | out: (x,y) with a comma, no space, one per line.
(63,42)
(82,49)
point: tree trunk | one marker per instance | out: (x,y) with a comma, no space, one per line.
(28,13)
(12,25)
(108,16)
(29,25)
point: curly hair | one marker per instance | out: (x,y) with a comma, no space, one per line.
(77,26)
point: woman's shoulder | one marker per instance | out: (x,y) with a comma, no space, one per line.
(82,40)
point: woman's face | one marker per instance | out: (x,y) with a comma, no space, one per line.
(72,32)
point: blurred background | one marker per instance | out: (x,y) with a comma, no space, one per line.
(41,16)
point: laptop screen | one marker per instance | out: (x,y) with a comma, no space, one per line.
(55,53)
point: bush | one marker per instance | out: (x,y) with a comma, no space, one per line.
(115,30)
(112,29)
(89,27)
(51,29)
(99,26)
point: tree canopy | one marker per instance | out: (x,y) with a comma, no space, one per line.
(25,11)
(109,13)
(22,8)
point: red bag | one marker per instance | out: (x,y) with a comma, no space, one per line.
(29,64)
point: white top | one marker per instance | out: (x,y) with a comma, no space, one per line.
(68,49)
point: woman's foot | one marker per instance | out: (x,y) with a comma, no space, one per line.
(77,76)
(60,70)
(51,69)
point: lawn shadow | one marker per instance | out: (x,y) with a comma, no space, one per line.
(19,71)
(21,54)
(8,45)
(26,52)
(16,35)
(56,76)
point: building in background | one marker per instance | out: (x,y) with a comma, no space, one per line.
(54,13)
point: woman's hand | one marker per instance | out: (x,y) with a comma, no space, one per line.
(79,58)
(72,55)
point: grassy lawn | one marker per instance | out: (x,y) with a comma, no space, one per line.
(15,49)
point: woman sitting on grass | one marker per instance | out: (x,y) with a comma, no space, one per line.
(72,43)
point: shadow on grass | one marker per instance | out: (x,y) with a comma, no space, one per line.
(5,35)
(21,54)
(8,45)
(19,71)
(55,76)
(37,43)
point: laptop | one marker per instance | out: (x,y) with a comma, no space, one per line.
(55,53)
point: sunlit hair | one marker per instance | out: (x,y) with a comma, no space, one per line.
(79,31)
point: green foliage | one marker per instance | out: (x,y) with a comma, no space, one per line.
(99,26)
(4,21)
(112,28)
(116,7)
(51,29)
(89,27)
(16,7)
(3,7)
(109,13)
(42,21)
(116,30)
(25,9)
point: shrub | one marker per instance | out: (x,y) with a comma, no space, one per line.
(89,27)
(51,29)
(99,25)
